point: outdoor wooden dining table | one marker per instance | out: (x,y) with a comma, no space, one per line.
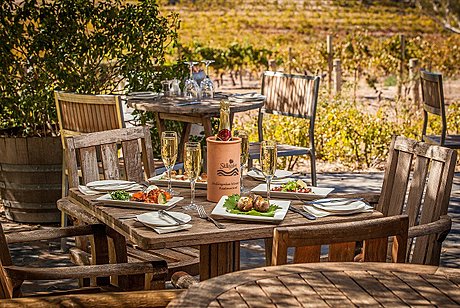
(219,248)
(329,285)
(189,111)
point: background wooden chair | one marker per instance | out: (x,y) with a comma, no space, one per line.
(290,95)
(12,277)
(422,192)
(82,113)
(136,165)
(433,103)
(341,238)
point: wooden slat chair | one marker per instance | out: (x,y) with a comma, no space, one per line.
(290,95)
(137,165)
(422,192)
(341,238)
(12,277)
(433,103)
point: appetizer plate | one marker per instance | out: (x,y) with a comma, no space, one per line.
(338,205)
(279,174)
(155,219)
(316,192)
(162,180)
(221,212)
(106,200)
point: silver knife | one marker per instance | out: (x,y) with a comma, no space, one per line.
(179,221)
(304,214)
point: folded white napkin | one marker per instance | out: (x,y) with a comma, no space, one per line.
(162,230)
(90,192)
(321,213)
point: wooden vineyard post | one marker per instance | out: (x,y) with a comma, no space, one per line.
(290,60)
(414,78)
(337,76)
(329,62)
(402,40)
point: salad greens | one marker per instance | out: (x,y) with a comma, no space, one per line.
(120,195)
(231,206)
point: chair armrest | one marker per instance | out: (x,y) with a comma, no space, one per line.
(50,234)
(370,197)
(440,226)
(133,299)
(157,268)
(183,280)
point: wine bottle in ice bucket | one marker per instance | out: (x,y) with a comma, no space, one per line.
(224,133)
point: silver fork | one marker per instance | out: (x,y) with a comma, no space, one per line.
(202,213)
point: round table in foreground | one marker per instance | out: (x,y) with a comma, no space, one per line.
(328,284)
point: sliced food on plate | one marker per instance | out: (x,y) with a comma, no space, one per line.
(298,186)
(156,195)
(250,205)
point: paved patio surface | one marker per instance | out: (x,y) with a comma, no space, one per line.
(252,253)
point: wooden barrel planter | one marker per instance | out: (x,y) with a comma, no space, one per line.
(30,178)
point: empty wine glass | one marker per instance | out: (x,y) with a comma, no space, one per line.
(169,143)
(207,86)
(192,165)
(191,87)
(166,85)
(268,157)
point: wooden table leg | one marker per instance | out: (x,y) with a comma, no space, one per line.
(183,139)
(219,259)
(207,126)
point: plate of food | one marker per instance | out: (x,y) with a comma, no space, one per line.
(154,198)
(294,189)
(179,180)
(253,208)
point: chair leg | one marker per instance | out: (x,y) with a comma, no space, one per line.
(313,169)
(65,192)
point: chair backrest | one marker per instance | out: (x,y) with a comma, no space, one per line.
(427,196)
(292,95)
(6,286)
(81,113)
(342,238)
(433,100)
(83,151)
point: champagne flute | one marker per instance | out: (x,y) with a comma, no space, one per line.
(169,153)
(268,158)
(192,165)
(243,135)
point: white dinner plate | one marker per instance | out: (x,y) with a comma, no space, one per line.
(95,184)
(246,97)
(338,205)
(221,212)
(320,213)
(279,174)
(316,192)
(157,220)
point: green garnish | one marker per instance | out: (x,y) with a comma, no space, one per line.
(290,186)
(231,202)
(120,195)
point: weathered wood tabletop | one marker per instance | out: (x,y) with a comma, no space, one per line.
(219,248)
(328,285)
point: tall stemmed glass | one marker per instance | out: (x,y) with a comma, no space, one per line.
(169,153)
(207,86)
(243,135)
(268,158)
(192,165)
(191,87)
